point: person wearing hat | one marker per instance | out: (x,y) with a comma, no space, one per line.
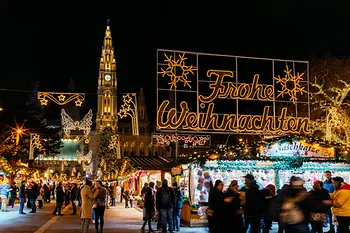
(341,204)
(249,179)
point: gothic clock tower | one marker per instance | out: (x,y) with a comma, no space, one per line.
(107,114)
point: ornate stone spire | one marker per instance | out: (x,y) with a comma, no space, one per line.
(107,61)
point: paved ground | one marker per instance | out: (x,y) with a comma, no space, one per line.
(117,220)
(14,222)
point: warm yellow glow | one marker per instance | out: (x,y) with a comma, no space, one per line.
(242,91)
(129,108)
(61,98)
(241,139)
(295,80)
(177,70)
(168,119)
(19,131)
(69,124)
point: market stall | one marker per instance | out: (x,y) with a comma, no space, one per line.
(270,162)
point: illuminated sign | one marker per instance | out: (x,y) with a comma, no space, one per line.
(220,94)
(297,149)
(185,141)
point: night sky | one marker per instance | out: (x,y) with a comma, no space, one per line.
(52,44)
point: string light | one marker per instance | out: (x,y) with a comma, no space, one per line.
(84,158)
(177,70)
(61,98)
(114,144)
(35,143)
(69,124)
(166,140)
(129,108)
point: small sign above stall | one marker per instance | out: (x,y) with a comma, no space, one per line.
(298,148)
(185,141)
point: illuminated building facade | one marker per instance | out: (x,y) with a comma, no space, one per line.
(107,86)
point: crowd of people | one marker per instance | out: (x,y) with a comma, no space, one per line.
(162,204)
(295,209)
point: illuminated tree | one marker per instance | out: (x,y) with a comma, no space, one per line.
(108,154)
(330,94)
(34,121)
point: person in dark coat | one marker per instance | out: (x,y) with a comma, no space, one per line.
(320,195)
(216,209)
(22,197)
(178,206)
(253,208)
(233,211)
(46,193)
(74,197)
(149,207)
(13,192)
(165,202)
(32,196)
(59,199)
(269,194)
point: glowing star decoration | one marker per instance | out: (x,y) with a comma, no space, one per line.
(177,70)
(69,124)
(34,144)
(115,145)
(290,85)
(129,108)
(84,158)
(61,98)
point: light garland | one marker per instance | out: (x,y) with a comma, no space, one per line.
(61,98)
(129,108)
(115,145)
(84,158)
(69,124)
(166,140)
(35,143)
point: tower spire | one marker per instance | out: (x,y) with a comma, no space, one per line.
(107,61)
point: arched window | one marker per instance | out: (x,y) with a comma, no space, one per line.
(107,101)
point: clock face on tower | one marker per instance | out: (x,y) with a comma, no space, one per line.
(107,77)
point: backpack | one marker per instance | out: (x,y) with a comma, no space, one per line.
(165,197)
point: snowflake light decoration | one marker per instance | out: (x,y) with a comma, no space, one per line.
(290,84)
(177,70)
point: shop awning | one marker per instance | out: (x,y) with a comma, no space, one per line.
(151,163)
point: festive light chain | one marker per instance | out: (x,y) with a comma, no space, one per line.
(69,124)
(188,139)
(172,71)
(254,165)
(84,158)
(61,98)
(115,145)
(35,143)
(129,108)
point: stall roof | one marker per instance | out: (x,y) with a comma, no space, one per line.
(151,162)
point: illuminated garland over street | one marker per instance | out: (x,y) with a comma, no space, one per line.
(249,151)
